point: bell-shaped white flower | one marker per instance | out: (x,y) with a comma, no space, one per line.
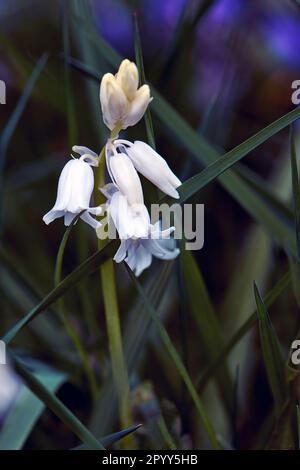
(140,240)
(151,165)
(138,253)
(123,104)
(130,220)
(75,187)
(124,175)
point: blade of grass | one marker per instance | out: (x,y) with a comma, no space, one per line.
(266,191)
(27,408)
(15,117)
(19,109)
(140,66)
(87,267)
(272,354)
(295,274)
(270,298)
(215,169)
(55,405)
(177,361)
(112,438)
(207,323)
(296,188)
(298,425)
(70,105)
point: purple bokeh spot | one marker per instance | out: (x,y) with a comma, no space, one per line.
(224,11)
(163,15)
(114,22)
(282,34)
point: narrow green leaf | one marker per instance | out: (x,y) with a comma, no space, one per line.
(19,109)
(214,170)
(270,298)
(298,425)
(295,275)
(87,267)
(206,322)
(272,354)
(266,192)
(27,408)
(55,405)
(177,361)
(296,188)
(72,124)
(12,123)
(112,438)
(140,66)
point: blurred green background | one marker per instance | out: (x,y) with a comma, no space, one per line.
(227,67)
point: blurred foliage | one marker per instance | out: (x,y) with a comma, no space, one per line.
(220,72)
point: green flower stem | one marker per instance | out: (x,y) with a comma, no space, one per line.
(119,369)
(68,324)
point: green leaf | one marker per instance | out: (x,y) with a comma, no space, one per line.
(270,298)
(266,191)
(207,323)
(55,405)
(177,361)
(112,438)
(19,109)
(295,274)
(296,189)
(140,66)
(298,425)
(70,105)
(12,123)
(272,354)
(27,408)
(87,267)
(214,170)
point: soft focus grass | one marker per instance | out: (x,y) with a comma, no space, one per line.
(185,325)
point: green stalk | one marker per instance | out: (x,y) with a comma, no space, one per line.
(119,369)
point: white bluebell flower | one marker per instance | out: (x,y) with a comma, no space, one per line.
(75,187)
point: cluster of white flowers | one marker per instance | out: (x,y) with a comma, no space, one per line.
(123,104)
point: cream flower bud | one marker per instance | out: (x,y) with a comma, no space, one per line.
(138,106)
(128,78)
(75,187)
(113,101)
(155,168)
(123,103)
